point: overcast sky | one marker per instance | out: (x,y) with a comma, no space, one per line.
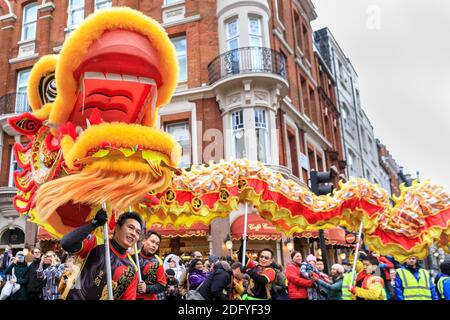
(401,52)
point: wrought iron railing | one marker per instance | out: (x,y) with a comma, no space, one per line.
(247,60)
(14,103)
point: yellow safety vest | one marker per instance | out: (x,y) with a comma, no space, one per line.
(346,294)
(440,286)
(413,289)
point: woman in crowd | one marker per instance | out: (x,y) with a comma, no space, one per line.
(50,272)
(19,268)
(297,284)
(196,274)
(334,290)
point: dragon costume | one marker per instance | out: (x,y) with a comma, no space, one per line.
(93,140)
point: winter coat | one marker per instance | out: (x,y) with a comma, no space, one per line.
(216,283)
(6,257)
(369,287)
(51,276)
(297,285)
(21,273)
(196,278)
(385,265)
(334,291)
(34,284)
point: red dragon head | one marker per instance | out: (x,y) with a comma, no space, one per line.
(92,130)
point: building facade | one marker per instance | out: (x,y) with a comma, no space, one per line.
(361,151)
(250,85)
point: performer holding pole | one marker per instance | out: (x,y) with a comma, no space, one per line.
(92,283)
(107,257)
(358,244)
(244,236)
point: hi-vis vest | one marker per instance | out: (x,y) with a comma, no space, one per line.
(440,286)
(346,294)
(413,289)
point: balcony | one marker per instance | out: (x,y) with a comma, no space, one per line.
(242,62)
(286,173)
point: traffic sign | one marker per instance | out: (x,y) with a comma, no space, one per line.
(350,238)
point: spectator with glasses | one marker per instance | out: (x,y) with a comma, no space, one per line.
(262,276)
(34,283)
(183,284)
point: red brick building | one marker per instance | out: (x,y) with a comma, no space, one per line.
(250,85)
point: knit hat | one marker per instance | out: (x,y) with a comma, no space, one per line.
(170,272)
(311,258)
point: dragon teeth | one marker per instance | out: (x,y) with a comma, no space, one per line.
(117,76)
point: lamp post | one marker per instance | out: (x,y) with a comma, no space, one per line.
(289,244)
(229,244)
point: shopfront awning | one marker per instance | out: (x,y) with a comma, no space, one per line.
(196,230)
(43,235)
(257,228)
(334,236)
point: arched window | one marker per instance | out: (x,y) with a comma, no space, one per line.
(12,236)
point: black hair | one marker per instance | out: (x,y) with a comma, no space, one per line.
(151,232)
(129,215)
(170,272)
(293,253)
(373,260)
(191,267)
(266,249)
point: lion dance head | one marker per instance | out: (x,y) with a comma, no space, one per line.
(92,125)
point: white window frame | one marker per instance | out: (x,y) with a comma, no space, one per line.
(233,37)
(70,11)
(237,128)
(99,3)
(180,55)
(21,95)
(12,168)
(255,35)
(187,127)
(26,23)
(261,124)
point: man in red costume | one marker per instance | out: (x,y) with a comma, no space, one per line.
(91,283)
(154,280)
